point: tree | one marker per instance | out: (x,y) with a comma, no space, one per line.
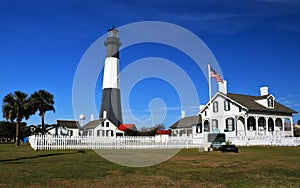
(16,107)
(7,130)
(150,131)
(298,122)
(42,101)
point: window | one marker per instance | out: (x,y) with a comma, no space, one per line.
(109,133)
(214,124)
(270,102)
(261,124)
(278,123)
(226,105)
(100,133)
(205,113)
(107,124)
(182,132)
(206,126)
(251,125)
(199,128)
(85,133)
(90,132)
(215,106)
(230,124)
(102,125)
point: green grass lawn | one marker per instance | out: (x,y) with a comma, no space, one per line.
(251,167)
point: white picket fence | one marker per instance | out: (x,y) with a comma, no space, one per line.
(48,142)
(265,141)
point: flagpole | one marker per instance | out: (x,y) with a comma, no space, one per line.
(209,88)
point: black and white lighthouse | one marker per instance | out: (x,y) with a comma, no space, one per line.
(111,100)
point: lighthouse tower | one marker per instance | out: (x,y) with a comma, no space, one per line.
(111,100)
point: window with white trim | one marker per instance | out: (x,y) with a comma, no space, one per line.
(227,105)
(214,124)
(270,102)
(215,106)
(230,124)
(199,128)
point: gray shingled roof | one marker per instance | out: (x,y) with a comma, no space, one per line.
(249,102)
(71,124)
(186,122)
(93,124)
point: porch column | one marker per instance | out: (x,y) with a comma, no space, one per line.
(292,126)
(246,125)
(274,123)
(235,124)
(256,124)
(267,125)
(282,121)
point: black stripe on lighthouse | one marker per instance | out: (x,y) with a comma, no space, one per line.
(111,103)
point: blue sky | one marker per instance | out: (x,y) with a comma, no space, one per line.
(256,43)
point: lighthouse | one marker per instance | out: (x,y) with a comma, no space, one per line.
(111,100)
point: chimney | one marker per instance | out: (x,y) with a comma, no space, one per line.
(104,114)
(264,91)
(92,117)
(223,86)
(182,114)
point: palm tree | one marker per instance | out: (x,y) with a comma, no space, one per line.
(42,101)
(16,107)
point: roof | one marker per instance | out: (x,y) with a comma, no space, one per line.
(123,127)
(93,124)
(71,124)
(249,102)
(186,122)
(163,132)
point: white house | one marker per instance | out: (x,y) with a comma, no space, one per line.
(64,128)
(184,126)
(101,128)
(240,115)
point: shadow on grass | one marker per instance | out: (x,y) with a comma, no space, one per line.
(41,156)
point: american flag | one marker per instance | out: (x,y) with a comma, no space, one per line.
(214,74)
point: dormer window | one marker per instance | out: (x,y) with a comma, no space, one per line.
(270,102)
(266,101)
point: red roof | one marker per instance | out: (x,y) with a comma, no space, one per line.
(163,132)
(123,127)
